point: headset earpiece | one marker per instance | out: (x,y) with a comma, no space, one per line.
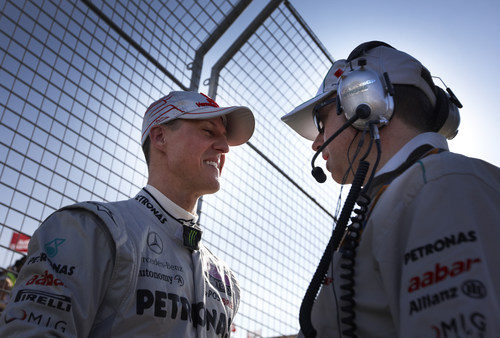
(363,93)
(361,90)
(441,109)
(447,115)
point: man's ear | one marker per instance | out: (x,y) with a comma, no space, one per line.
(157,136)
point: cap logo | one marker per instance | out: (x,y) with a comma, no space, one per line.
(210,102)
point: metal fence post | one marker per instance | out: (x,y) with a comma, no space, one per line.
(235,47)
(197,64)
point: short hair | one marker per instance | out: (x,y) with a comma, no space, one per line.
(414,108)
(146,146)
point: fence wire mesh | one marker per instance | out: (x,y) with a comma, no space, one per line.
(72,95)
(283,233)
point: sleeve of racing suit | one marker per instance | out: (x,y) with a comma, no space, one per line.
(449,276)
(59,289)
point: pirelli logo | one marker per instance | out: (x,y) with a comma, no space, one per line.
(48,299)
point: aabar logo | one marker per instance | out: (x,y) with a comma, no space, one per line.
(440,273)
(46,279)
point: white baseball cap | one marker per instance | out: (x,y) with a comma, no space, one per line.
(402,68)
(301,118)
(240,122)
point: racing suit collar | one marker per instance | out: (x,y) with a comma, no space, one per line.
(172,208)
(434,139)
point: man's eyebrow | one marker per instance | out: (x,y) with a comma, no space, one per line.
(214,125)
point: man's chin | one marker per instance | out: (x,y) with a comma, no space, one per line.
(211,188)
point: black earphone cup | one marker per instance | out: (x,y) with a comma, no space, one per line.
(364,48)
(442,108)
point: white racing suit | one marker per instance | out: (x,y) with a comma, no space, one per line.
(427,264)
(120,269)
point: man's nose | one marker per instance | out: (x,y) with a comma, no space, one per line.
(221,144)
(318,142)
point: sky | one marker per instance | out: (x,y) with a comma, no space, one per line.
(456,40)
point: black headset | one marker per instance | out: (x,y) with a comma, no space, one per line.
(364,92)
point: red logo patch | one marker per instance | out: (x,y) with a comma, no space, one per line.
(338,72)
(46,279)
(210,102)
(440,273)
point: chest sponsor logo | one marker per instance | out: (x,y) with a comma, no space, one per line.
(59,268)
(470,288)
(45,279)
(157,213)
(215,280)
(474,289)
(155,243)
(170,305)
(157,275)
(38,319)
(163,264)
(431,300)
(440,273)
(214,295)
(439,245)
(51,248)
(461,325)
(48,299)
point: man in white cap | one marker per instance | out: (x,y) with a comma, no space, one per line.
(420,259)
(137,268)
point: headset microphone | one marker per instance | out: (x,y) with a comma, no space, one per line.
(317,172)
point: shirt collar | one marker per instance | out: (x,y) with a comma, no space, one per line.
(172,208)
(434,139)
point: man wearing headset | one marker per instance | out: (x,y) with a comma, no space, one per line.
(137,268)
(421,257)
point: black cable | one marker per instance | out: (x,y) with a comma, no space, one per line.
(330,139)
(374,135)
(356,153)
(351,242)
(346,174)
(372,175)
(333,244)
(348,252)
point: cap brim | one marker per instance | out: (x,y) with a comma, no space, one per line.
(240,121)
(301,118)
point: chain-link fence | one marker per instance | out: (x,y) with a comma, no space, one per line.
(76,78)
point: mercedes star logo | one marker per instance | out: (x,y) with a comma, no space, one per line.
(154,242)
